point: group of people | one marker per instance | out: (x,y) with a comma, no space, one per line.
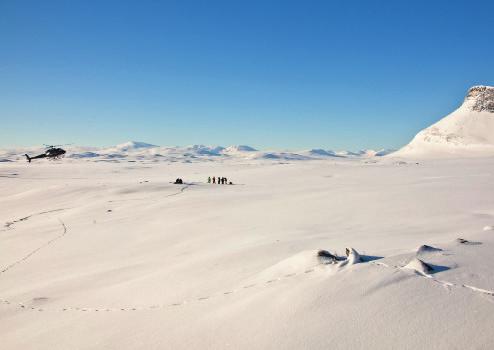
(214,179)
(219,180)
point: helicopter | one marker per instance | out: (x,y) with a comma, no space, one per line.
(52,152)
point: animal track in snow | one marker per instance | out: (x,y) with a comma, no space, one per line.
(425,270)
(182,190)
(24,258)
(9,224)
(353,257)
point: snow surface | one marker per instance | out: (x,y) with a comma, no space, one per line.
(468,131)
(105,253)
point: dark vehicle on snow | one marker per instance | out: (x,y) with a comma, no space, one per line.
(52,152)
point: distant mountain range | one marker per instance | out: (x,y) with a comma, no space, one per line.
(468,131)
(134,150)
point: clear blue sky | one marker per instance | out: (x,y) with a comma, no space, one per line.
(272,74)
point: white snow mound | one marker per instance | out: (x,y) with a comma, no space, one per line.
(419,266)
(353,257)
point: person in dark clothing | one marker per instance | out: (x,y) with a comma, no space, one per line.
(209,179)
(219,180)
(214,180)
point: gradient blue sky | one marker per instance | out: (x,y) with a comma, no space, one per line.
(272,74)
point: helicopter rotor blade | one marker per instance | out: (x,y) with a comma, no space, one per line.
(53,146)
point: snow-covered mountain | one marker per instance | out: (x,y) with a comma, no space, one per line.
(239,149)
(468,131)
(318,152)
(136,150)
(133,145)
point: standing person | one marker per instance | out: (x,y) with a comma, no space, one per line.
(209,179)
(226,181)
(214,180)
(219,180)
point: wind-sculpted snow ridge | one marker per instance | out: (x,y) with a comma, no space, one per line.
(419,266)
(424,249)
(301,264)
(468,131)
(452,258)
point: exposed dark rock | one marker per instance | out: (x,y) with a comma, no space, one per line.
(467,242)
(326,257)
(482,97)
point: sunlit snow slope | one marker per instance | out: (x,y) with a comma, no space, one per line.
(468,131)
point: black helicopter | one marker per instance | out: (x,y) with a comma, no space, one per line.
(52,152)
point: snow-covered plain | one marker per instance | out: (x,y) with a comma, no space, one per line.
(110,255)
(312,249)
